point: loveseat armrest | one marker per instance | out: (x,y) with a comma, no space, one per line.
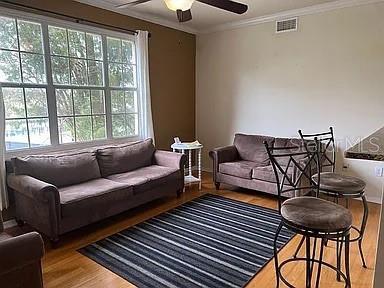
(17,252)
(170,159)
(224,154)
(34,188)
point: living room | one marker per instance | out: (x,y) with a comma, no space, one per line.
(181,143)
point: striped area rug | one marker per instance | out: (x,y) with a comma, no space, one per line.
(211,241)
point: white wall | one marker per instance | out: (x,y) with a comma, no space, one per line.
(329,73)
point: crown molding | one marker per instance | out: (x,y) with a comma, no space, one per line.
(314,9)
(142,16)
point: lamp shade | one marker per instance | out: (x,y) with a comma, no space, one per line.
(175,5)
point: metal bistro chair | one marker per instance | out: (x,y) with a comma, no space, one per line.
(337,185)
(310,217)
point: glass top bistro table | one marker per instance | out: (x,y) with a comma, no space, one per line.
(188,148)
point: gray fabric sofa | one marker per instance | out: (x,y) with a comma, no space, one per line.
(59,193)
(20,259)
(246,163)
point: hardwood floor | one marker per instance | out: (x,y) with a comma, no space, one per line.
(65,267)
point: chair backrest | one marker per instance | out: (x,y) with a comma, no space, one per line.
(327,147)
(294,167)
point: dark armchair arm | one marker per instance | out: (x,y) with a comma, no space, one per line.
(170,159)
(17,252)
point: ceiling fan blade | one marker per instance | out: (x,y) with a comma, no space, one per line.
(184,16)
(227,5)
(131,3)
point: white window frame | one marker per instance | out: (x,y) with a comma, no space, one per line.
(50,87)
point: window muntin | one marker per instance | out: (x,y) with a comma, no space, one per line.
(55,60)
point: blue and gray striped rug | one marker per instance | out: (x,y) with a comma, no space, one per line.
(211,241)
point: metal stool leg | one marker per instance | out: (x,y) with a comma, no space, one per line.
(362,229)
(299,247)
(308,262)
(347,271)
(320,262)
(276,254)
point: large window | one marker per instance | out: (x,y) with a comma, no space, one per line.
(63,83)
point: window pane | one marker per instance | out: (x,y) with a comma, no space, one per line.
(99,131)
(76,43)
(60,70)
(114,49)
(9,67)
(94,47)
(118,126)
(128,52)
(8,34)
(98,105)
(117,101)
(115,75)
(83,128)
(36,99)
(81,102)
(129,76)
(78,72)
(39,132)
(132,124)
(64,102)
(33,68)
(66,130)
(30,37)
(16,134)
(130,101)
(14,102)
(95,73)
(58,41)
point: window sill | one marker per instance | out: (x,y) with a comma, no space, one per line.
(68,147)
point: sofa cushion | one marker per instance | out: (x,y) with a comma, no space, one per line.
(125,158)
(59,170)
(147,177)
(242,169)
(266,173)
(251,148)
(76,199)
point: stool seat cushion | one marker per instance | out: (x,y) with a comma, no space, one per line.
(342,184)
(315,214)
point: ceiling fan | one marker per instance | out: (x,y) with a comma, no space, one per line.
(183,7)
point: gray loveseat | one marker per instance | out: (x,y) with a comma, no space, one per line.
(246,163)
(59,193)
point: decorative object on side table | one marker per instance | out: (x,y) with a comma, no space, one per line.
(189,147)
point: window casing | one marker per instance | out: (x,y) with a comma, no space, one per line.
(66,83)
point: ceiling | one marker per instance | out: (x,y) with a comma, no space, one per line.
(205,18)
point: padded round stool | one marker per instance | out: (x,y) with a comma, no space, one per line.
(319,219)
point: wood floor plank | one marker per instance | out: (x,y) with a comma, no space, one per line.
(64,267)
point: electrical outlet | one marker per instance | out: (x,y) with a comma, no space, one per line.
(379,171)
(345,166)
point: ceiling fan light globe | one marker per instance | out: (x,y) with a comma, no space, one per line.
(175,5)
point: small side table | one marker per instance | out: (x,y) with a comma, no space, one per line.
(188,147)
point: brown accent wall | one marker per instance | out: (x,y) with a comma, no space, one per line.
(172,67)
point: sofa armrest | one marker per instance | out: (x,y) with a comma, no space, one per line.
(20,251)
(170,159)
(224,154)
(33,188)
